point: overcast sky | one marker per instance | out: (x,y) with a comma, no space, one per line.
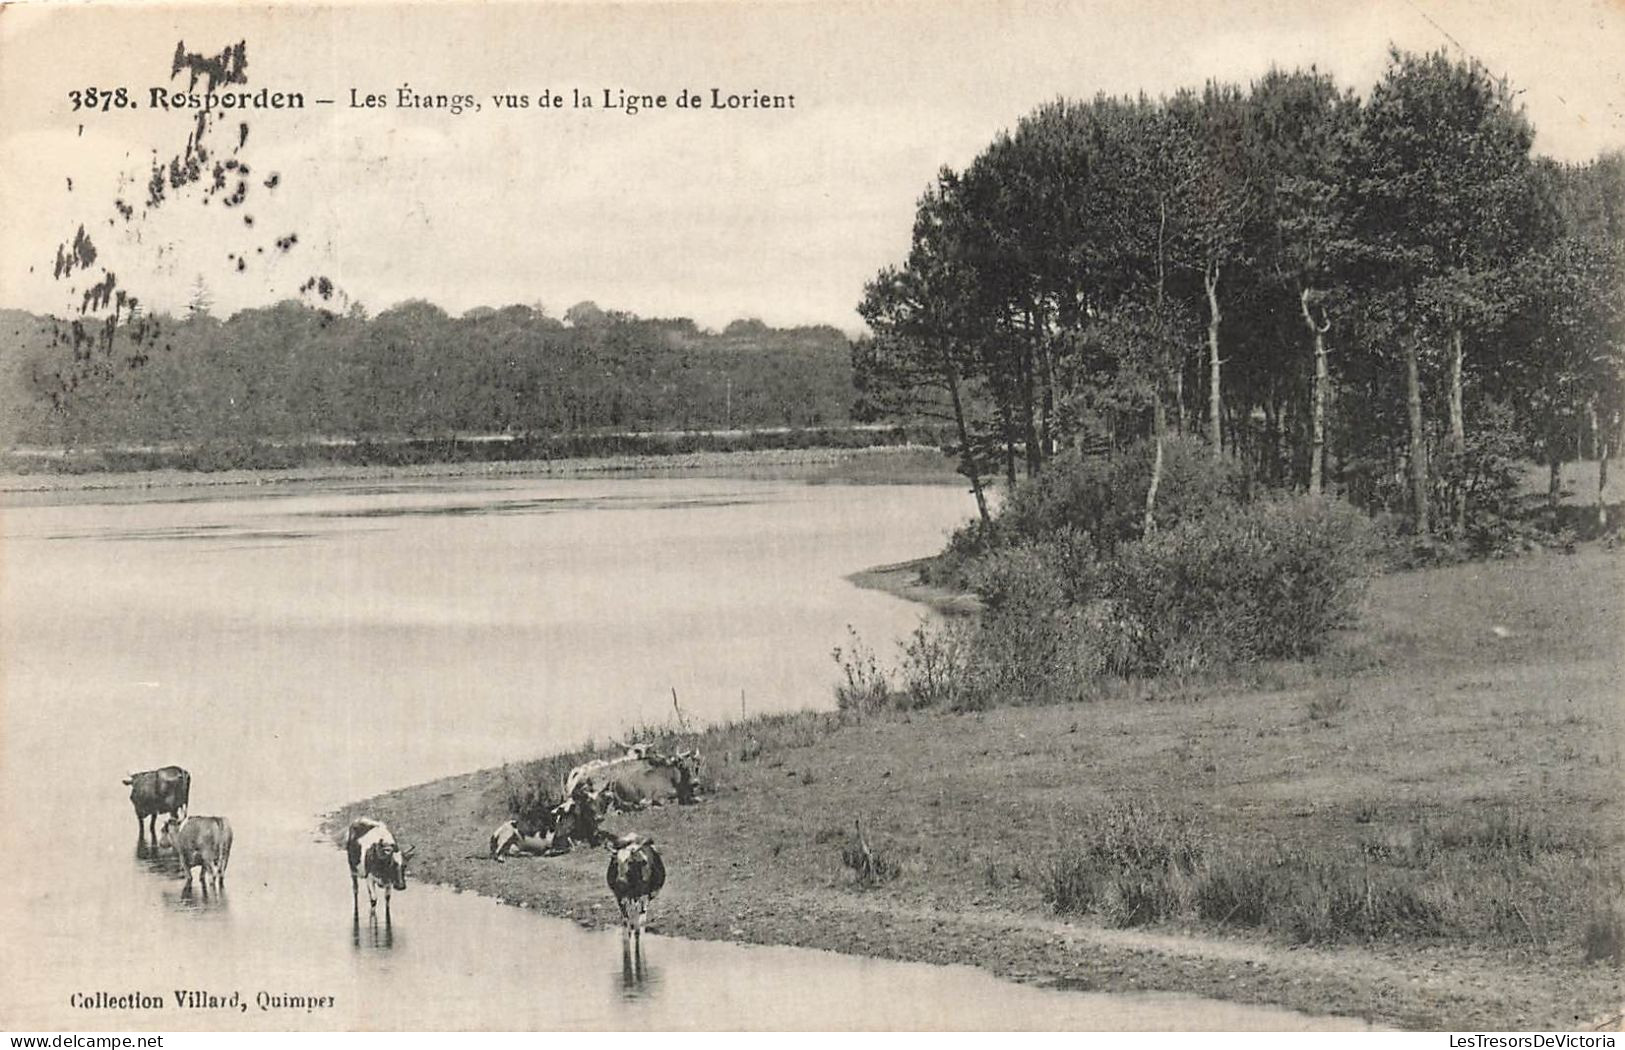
(778,214)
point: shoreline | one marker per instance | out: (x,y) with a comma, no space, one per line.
(902,580)
(912,464)
(974,793)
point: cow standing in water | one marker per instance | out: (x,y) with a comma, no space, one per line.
(636,874)
(376,858)
(155,791)
(203,843)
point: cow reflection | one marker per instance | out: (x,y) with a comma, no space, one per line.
(198,897)
(639,980)
(377,936)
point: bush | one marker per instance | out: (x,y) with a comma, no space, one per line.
(1272,579)
(1103,497)
(864,687)
(530,797)
(936,664)
(1488,475)
(1020,577)
(1244,583)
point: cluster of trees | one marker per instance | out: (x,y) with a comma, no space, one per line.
(293,371)
(1391,295)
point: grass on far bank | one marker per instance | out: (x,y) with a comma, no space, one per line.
(231,454)
(885,464)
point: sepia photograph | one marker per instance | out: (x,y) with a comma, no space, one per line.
(770,515)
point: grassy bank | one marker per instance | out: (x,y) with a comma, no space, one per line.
(1422,826)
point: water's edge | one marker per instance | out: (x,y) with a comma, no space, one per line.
(1182,980)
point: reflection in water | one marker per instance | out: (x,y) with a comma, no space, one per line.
(197,896)
(639,980)
(180,894)
(380,936)
(155,859)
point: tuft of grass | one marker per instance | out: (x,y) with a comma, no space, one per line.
(1316,899)
(1604,937)
(1498,831)
(870,867)
(1492,876)
(1133,864)
(1327,705)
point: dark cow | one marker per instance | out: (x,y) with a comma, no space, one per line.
(156,791)
(576,819)
(633,782)
(376,858)
(636,874)
(200,842)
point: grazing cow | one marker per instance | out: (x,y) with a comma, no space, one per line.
(635,782)
(200,842)
(156,791)
(522,838)
(636,874)
(376,858)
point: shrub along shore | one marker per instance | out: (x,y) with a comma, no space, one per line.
(1419,823)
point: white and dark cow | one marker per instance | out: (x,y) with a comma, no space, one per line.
(636,875)
(523,838)
(635,781)
(377,859)
(155,791)
(200,842)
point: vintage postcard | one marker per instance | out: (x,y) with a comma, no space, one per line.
(780,515)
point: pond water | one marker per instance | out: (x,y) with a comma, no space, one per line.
(298,647)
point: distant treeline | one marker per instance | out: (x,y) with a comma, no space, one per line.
(412,379)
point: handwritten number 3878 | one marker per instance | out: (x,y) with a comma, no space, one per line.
(103,99)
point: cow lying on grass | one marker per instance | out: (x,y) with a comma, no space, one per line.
(642,777)
(522,838)
(574,820)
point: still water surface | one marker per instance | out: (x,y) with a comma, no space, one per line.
(300,647)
